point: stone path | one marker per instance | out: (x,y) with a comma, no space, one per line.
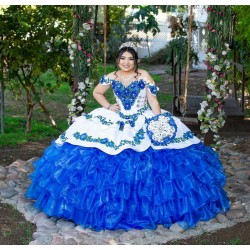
(50,230)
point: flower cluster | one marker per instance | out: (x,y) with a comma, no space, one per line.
(80,51)
(76,106)
(161,129)
(211,114)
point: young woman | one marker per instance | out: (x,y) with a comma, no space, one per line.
(129,164)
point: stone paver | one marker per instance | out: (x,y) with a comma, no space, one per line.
(53,231)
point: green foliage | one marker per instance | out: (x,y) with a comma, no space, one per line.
(146,18)
(180,45)
(33,40)
(242,39)
(118,35)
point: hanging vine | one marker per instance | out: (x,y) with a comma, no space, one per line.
(82,57)
(219,26)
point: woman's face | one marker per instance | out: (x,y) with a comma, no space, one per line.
(126,62)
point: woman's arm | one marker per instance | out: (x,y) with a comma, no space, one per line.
(99,95)
(152,99)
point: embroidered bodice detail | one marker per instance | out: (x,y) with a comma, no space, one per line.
(134,93)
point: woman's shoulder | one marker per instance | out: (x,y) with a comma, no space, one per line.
(145,76)
(112,75)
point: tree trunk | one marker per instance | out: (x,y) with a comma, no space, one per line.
(30,107)
(2,107)
(46,112)
(209,138)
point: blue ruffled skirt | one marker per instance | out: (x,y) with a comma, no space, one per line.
(129,190)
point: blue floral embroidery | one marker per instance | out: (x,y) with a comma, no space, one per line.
(135,116)
(152,88)
(186,136)
(105,80)
(139,136)
(128,94)
(63,138)
(102,119)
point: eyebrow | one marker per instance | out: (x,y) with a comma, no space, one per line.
(130,57)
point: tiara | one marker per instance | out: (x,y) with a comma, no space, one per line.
(129,44)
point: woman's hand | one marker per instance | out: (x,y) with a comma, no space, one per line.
(114,107)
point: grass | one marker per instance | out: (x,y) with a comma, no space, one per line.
(19,228)
(235,241)
(56,102)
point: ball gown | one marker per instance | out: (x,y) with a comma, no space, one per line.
(105,172)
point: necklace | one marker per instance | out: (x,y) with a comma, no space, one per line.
(126,79)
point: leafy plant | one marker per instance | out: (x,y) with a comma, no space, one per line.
(33,40)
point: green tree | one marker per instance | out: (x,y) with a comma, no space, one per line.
(146,21)
(33,40)
(242,38)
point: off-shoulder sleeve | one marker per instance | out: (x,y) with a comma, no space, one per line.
(152,88)
(105,80)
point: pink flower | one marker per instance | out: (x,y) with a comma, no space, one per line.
(88,60)
(209,8)
(213,31)
(88,55)
(79,46)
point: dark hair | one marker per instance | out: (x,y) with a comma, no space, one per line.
(135,57)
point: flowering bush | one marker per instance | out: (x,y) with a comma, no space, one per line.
(211,114)
(81,56)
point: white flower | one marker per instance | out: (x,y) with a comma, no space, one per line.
(83,100)
(71,52)
(73,46)
(87,80)
(80,108)
(216,94)
(73,102)
(222,87)
(81,85)
(224,52)
(214,74)
(212,56)
(209,97)
(72,65)
(204,104)
(210,86)
(217,67)
(71,57)
(86,26)
(81,34)
(227,46)
(200,112)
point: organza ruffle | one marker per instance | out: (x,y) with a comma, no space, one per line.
(129,190)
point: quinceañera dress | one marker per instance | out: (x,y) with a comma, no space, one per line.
(129,169)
